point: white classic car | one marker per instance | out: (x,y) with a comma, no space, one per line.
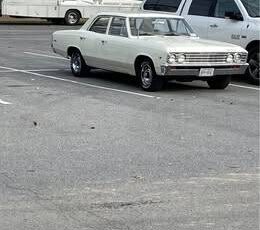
(153,47)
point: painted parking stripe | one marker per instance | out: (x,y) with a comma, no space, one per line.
(81,83)
(45,55)
(5,102)
(244,87)
(33,70)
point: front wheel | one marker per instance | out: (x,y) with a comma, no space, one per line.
(148,78)
(78,65)
(220,82)
(253,69)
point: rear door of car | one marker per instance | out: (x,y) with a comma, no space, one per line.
(197,13)
(92,42)
(172,6)
(117,45)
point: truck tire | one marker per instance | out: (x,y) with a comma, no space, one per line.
(148,78)
(72,17)
(252,72)
(219,82)
(78,66)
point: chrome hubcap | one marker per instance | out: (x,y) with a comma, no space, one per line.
(146,75)
(254,65)
(76,63)
(73,18)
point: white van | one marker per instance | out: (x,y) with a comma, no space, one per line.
(233,21)
(70,11)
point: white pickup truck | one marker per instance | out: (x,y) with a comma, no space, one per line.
(233,21)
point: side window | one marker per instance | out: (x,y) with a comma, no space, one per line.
(100,25)
(162,5)
(201,7)
(224,6)
(118,27)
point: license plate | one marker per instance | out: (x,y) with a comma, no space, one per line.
(206,72)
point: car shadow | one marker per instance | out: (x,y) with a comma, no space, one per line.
(127,80)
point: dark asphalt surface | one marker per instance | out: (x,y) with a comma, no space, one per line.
(100,153)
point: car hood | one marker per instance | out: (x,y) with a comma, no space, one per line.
(192,44)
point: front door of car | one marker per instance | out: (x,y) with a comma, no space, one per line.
(227,22)
(92,42)
(116,46)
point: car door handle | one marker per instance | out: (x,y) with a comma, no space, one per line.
(82,38)
(103,42)
(214,26)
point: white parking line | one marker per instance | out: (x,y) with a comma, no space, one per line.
(45,55)
(81,83)
(5,102)
(244,87)
(33,70)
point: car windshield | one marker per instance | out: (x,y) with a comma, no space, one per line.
(252,7)
(159,26)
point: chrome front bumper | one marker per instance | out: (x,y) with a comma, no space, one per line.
(193,71)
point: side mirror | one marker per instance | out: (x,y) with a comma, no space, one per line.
(234,16)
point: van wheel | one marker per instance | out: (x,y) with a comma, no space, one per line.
(253,69)
(78,65)
(72,17)
(148,78)
(220,82)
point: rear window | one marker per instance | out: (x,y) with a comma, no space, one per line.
(201,7)
(162,5)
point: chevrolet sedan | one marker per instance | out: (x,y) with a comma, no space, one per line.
(152,47)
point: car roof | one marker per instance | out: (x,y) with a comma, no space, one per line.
(140,15)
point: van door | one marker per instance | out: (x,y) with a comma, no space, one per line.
(197,14)
(227,22)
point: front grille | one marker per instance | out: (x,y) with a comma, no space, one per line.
(217,58)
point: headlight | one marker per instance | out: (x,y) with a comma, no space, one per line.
(181,58)
(171,58)
(237,57)
(230,58)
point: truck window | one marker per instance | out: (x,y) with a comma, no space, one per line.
(201,7)
(100,25)
(224,6)
(162,5)
(252,7)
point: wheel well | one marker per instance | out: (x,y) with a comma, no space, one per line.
(71,49)
(74,10)
(139,60)
(252,44)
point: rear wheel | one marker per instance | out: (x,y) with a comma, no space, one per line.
(78,65)
(72,17)
(220,82)
(253,69)
(148,78)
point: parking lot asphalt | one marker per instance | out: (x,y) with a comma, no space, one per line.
(100,153)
